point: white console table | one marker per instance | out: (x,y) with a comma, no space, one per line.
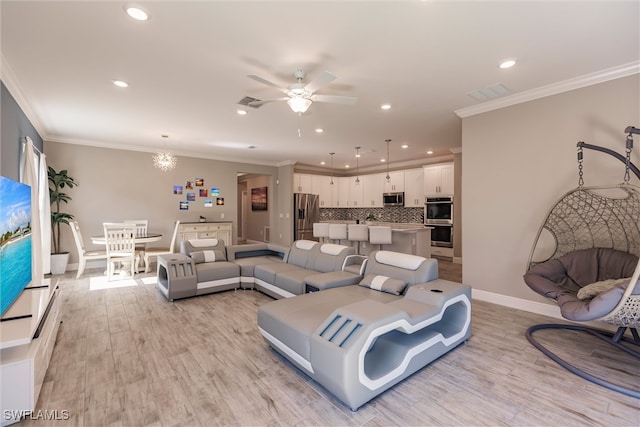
(27,336)
(205,230)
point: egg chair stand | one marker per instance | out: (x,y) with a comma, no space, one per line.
(591,235)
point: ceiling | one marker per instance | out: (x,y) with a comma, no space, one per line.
(187,70)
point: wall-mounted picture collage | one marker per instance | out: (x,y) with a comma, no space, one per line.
(194,190)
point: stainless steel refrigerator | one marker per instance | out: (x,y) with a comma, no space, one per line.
(306,211)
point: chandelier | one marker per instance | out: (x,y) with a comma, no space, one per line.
(164,160)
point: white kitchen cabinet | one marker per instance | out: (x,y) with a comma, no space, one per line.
(414,188)
(321,186)
(438,180)
(356,192)
(302,183)
(373,187)
(396,182)
(343,192)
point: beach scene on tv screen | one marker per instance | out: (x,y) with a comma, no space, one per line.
(15,240)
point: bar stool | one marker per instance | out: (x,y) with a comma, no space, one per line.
(380,235)
(337,232)
(358,233)
(321,230)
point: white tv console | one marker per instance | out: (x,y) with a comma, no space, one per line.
(27,335)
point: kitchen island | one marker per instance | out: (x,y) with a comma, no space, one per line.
(414,239)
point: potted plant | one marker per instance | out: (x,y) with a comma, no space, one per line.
(57,182)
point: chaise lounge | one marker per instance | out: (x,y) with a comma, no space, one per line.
(359,340)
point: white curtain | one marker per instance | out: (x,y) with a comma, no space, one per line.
(45,214)
(29,175)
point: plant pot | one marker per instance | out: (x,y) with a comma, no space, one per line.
(59,263)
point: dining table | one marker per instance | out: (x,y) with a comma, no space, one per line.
(143,240)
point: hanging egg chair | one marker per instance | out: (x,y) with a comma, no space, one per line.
(585,258)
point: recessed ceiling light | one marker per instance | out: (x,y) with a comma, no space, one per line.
(242,112)
(323,163)
(383,160)
(404,146)
(120,83)
(136,12)
(319,130)
(507,63)
(386,106)
(429,152)
(346,166)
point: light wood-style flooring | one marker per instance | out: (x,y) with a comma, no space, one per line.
(125,356)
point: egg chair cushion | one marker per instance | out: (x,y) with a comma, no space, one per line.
(562,278)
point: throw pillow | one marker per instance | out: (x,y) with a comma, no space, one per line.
(207,256)
(384,284)
(593,289)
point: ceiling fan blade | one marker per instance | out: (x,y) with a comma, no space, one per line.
(324,79)
(266,101)
(335,99)
(266,82)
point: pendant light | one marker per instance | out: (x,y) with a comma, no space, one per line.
(331,154)
(357,157)
(388,178)
(164,160)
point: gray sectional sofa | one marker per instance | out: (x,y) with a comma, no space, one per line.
(356,325)
(206,266)
(357,341)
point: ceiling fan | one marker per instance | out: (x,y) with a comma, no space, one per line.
(300,96)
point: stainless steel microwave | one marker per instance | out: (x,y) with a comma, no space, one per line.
(393,199)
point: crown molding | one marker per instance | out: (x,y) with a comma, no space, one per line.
(10,81)
(553,89)
(145,149)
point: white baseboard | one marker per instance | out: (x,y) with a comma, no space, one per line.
(541,308)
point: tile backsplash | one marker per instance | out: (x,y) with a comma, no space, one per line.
(390,214)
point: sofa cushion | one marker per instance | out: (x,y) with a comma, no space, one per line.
(384,284)
(332,279)
(395,259)
(293,280)
(267,272)
(247,265)
(208,256)
(202,243)
(210,271)
(330,257)
(301,252)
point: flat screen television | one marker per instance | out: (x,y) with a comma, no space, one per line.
(15,240)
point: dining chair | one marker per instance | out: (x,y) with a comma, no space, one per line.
(149,252)
(83,254)
(121,247)
(141,229)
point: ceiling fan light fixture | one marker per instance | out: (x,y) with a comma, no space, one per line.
(299,104)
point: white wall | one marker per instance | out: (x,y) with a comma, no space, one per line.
(517,161)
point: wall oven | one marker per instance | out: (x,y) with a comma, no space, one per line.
(438,210)
(442,235)
(438,214)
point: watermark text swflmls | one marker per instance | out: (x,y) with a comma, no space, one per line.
(40,414)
